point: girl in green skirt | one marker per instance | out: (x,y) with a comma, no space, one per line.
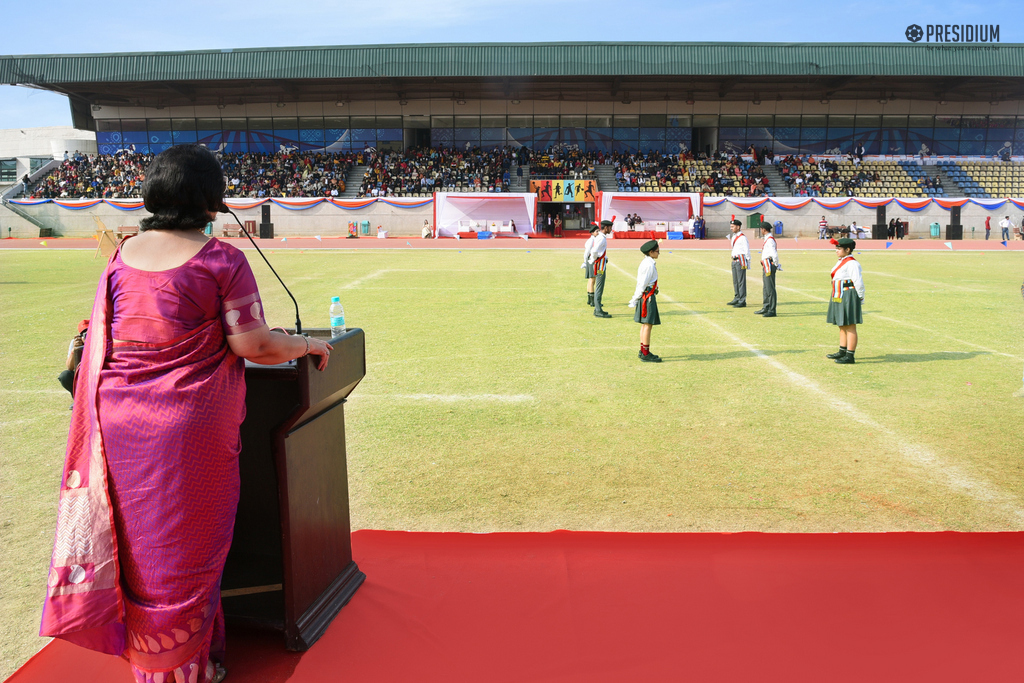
(645,300)
(844,306)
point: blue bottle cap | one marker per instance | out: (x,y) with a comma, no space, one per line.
(335,299)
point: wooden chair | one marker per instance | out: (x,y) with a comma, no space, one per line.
(126,231)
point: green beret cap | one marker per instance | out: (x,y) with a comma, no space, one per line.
(649,246)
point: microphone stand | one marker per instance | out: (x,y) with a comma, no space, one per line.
(298,323)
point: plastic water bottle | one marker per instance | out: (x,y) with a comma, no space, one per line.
(337,317)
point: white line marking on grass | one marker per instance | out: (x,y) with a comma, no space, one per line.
(953,476)
(876,315)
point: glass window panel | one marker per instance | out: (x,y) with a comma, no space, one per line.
(894,121)
(307,123)
(1001,122)
(8,170)
(792,133)
(1020,122)
(599,121)
(364,135)
(442,121)
(814,121)
(182,137)
(652,145)
(649,134)
(520,122)
(678,134)
(947,122)
(261,124)
(574,122)
(945,147)
(492,121)
(761,121)
(841,136)
(261,140)
(972,134)
(363,122)
(626,121)
(812,134)
(133,125)
(680,121)
(523,136)
(108,142)
(625,146)
(921,122)
(389,134)
(108,125)
(868,122)
(627,134)
(441,137)
(733,133)
(725,121)
(1000,134)
(972,146)
(544,137)
(492,134)
(183,124)
(705,121)
(208,124)
(233,124)
(286,123)
(417,122)
(389,122)
(997,147)
(653,120)
(787,122)
(840,121)
(158,124)
(338,138)
(573,136)
(311,137)
(235,141)
(946,133)
(545,122)
(336,122)
(467,121)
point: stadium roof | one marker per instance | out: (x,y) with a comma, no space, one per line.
(569,71)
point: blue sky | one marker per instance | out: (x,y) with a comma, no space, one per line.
(65,27)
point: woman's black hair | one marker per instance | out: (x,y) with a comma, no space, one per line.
(183,184)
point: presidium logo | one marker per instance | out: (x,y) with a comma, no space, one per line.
(954,33)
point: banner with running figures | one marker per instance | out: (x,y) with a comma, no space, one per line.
(564,190)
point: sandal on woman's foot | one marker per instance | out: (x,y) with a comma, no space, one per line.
(221,672)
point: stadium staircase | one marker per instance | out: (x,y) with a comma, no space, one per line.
(938,172)
(775,182)
(19,190)
(605,174)
(353,181)
(518,184)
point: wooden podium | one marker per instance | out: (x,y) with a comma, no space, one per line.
(290,565)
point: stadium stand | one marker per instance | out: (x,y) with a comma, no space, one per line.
(421,171)
(810,177)
(986,179)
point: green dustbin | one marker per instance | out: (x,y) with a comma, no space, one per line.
(936,229)
(364,228)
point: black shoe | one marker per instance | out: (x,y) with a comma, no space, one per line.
(590,299)
(740,305)
(602,314)
(759,312)
(732,303)
(838,354)
(650,358)
(768,315)
(846,359)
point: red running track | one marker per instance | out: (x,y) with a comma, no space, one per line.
(593,607)
(311,243)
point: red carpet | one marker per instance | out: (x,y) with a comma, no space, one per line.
(592,607)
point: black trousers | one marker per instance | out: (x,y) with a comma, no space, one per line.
(739,283)
(770,300)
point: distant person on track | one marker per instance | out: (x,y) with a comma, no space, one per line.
(740,263)
(588,265)
(769,266)
(822,228)
(1004,227)
(844,307)
(645,301)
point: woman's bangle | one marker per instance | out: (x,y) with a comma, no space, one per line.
(306,339)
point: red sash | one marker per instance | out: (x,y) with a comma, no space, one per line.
(599,263)
(647,295)
(842,263)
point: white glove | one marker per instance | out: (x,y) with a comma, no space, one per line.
(632,303)
(583,265)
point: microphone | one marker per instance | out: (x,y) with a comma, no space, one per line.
(224,208)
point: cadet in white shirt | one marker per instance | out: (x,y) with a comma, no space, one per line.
(769,266)
(645,300)
(740,263)
(844,307)
(598,263)
(589,273)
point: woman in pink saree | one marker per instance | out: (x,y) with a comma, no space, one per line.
(150,483)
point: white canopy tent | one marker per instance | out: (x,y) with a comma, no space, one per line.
(477,211)
(659,211)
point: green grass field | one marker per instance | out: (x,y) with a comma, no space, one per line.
(495,401)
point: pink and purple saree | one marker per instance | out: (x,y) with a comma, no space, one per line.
(150,483)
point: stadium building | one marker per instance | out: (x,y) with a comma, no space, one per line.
(908,105)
